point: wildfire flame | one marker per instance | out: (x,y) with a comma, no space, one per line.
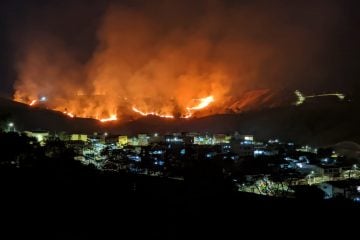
(69,114)
(149,60)
(33,102)
(204,102)
(189,108)
(151,113)
(113,117)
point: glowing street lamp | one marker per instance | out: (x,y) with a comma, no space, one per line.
(11,125)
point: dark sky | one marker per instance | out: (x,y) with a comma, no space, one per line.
(329,28)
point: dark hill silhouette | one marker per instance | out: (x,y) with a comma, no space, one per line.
(32,118)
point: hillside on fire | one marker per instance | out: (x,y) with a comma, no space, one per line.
(317,122)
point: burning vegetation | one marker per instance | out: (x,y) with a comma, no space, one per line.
(144,62)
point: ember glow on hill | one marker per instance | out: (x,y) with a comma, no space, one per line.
(111,118)
(203,103)
(151,113)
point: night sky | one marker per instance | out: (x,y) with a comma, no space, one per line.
(309,45)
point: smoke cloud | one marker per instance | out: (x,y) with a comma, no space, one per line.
(164,56)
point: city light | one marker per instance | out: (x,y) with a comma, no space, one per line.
(301,97)
(11,126)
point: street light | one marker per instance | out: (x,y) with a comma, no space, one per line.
(11,125)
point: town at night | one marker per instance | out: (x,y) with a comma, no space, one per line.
(179,119)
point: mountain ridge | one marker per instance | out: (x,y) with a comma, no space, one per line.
(315,122)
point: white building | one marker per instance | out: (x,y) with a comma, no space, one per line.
(41,136)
